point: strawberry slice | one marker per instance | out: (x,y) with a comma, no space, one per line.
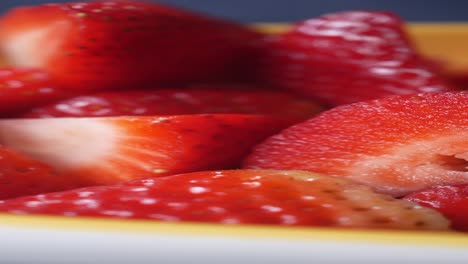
(348,57)
(113,149)
(451,201)
(22,175)
(238,197)
(122,44)
(24,88)
(397,145)
(179,101)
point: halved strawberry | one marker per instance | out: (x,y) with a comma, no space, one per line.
(21,175)
(451,201)
(180,101)
(24,88)
(122,44)
(348,57)
(238,197)
(397,145)
(113,149)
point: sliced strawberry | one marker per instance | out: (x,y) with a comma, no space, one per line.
(451,201)
(178,101)
(397,144)
(21,175)
(122,44)
(238,197)
(348,57)
(109,150)
(23,88)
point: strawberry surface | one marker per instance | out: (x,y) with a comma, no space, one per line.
(397,145)
(451,201)
(105,150)
(238,197)
(180,101)
(123,44)
(348,57)
(21,175)
(24,88)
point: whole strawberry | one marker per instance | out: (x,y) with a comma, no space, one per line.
(122,44)
(348,57)
(291,198)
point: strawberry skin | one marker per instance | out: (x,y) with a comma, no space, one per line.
(21,175)
(24,88)
(451,201)
(238,197)
(397,145)
(348,57)
(180,101)
(106,150)
(122,44)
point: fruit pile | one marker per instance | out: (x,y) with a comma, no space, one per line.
(137,110)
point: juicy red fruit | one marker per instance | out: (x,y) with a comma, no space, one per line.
(451,201)
(106,150)
(24,88)
(348,57)
(181,101)
(122,44)
(397,145)
(21,175)
(238,197)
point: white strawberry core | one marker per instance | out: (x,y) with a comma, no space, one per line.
(417,165)
(63,142)
(32,48)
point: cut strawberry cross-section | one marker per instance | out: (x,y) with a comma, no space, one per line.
(113,149)
(397,144)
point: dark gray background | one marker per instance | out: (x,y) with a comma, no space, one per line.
(292,10)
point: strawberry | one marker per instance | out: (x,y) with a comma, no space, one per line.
(22,88)
(122,44)
(179,101)
(348,57)
(397,145)
(238,197)
(22,175)
(105,150)
(451,201)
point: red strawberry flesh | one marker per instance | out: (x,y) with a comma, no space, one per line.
(114,149)
(397,145)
